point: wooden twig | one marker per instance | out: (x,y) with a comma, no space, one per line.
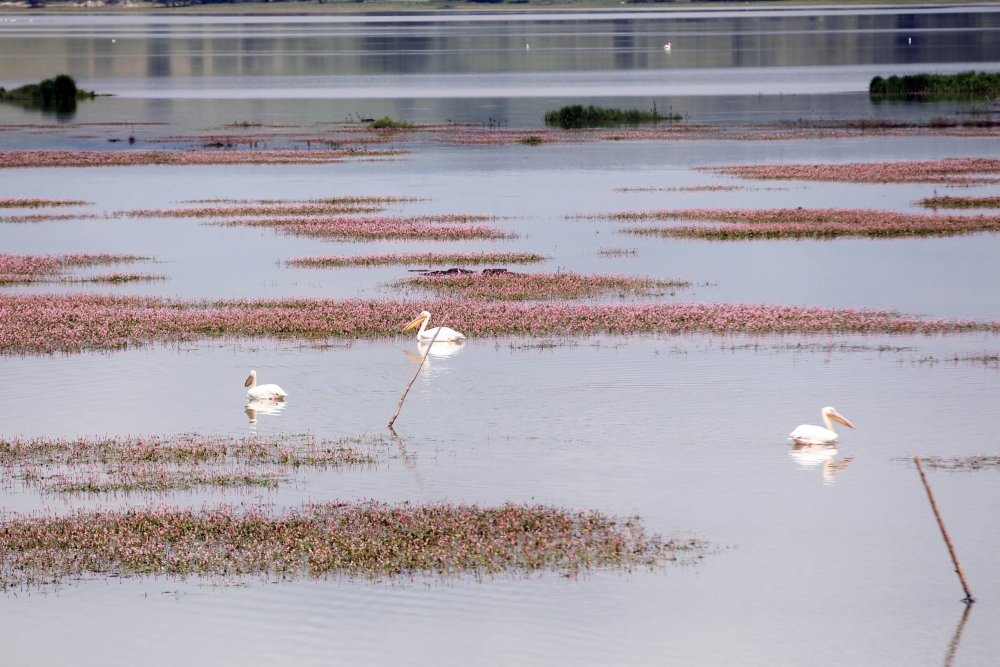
(944,533)
(419,366)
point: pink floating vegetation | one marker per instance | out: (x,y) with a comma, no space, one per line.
(48,323)
(371,228)
(340,200)
(685,188)
(254,210)
(955,171)
(47,268)
(415,259)
(496,136)
(366,539)
(506,286)
(35,202)
(748,224)
(70,158)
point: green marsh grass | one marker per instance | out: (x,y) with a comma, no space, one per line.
(577,116)
(964,85)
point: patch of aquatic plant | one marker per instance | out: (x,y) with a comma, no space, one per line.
(368,540)
(617,252)
(295,450)
(415,259)
(16,269)
(36,202)
(390,123)
(578,116)
(372,228)
(71,158)
(50,323)
(252,210)
(958,463)
(345,200)
(950,171)
(45,217)
(154,479)
(151,464)
(58,93)
(116,277)
(685,188)
(964,85)
(502,137)
(984,358)
(959,202)
(749,224)
(507,286)
(494,136)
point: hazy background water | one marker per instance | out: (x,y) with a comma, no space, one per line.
(684,430)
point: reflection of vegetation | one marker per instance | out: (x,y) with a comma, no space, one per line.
(577,116)
(965,85)
(58,94)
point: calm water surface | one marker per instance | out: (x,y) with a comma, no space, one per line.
(813,566)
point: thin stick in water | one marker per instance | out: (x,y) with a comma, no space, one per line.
(944,533)
(419,366)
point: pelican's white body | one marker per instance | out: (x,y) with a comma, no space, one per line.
(263,392)
(425,335)
(817,435)
(814,435)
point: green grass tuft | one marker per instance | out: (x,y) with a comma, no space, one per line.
(578,116)
(390,123)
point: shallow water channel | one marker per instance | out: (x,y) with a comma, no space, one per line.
(818,557)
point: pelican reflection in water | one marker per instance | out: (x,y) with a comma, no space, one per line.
(809,457)
(438,350)
(255,408)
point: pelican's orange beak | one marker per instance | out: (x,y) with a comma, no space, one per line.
(836,416)
(248,382)
(414,323)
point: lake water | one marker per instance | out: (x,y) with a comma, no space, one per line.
(813,564)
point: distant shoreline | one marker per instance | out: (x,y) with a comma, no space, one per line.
(446,7)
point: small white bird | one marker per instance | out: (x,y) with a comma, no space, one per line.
(264,392)
(817,435)
(666,47)
(444,334)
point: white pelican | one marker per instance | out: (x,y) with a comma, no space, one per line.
(666,47)
(444,334)
(264,392)
(817,435)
